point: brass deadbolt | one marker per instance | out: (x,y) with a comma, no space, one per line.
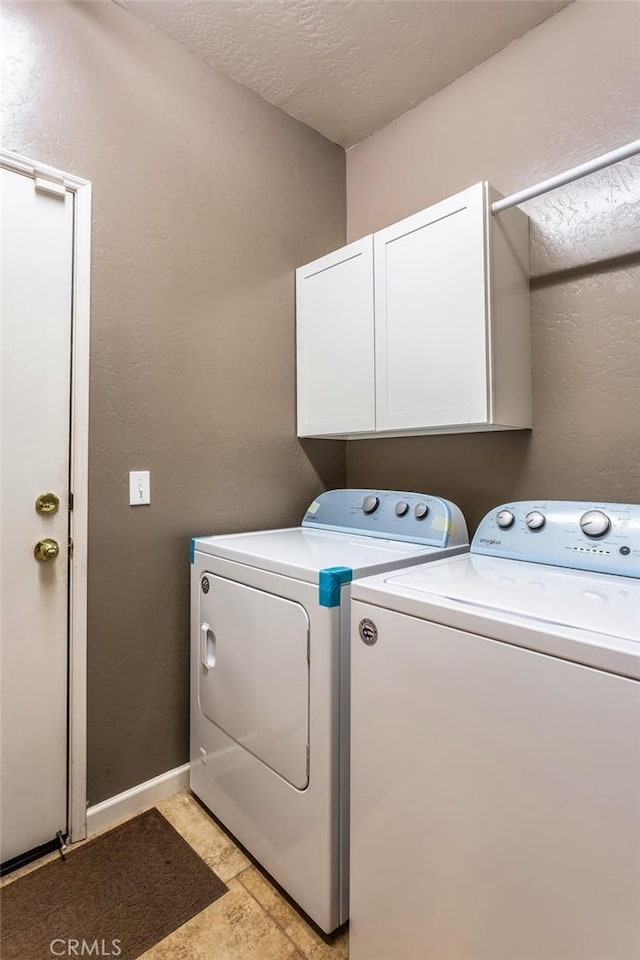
(46,550)
(47,503)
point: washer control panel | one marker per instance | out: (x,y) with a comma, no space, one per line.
(389,515)
(599,537)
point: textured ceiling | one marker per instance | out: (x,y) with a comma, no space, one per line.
(344,67)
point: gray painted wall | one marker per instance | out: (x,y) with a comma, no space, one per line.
(205,200)
(567,91)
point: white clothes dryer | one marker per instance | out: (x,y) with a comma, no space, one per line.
(270,676)
(496,744)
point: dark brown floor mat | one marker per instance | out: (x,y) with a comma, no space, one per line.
(123,891)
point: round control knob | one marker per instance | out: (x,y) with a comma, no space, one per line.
(370,504)
(420,511)
(595,523)
(535,520)
(505,519)
(402,508)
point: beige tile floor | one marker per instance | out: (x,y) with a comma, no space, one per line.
(252,921)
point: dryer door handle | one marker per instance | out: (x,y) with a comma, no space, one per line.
(207,646)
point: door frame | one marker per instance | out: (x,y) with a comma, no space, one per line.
(56,182)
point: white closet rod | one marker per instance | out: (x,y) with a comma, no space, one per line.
(576,173)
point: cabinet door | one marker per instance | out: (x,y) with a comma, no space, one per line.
(335,342)
(431,316)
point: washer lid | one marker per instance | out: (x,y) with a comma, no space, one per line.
(496,588)
(302,553)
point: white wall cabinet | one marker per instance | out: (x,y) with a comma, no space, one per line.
(335,343)
(423,327)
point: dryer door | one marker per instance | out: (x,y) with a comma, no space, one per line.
(254,673)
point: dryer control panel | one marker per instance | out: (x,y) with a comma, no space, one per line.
(599,537)
(389,515)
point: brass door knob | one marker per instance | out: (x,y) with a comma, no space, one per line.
(46,550)
(47,503)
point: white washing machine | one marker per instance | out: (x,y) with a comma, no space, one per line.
(270,677)
(495,777)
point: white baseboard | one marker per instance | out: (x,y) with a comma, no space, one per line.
(136,799)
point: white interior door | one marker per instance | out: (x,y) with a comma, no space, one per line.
(35,352)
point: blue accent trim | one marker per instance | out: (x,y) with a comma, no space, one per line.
(329,582)
(342,511)
(561,542)
(192,546)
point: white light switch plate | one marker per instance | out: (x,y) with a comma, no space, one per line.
(139,487)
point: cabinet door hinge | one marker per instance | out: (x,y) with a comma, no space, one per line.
(70,547)
(70,501)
